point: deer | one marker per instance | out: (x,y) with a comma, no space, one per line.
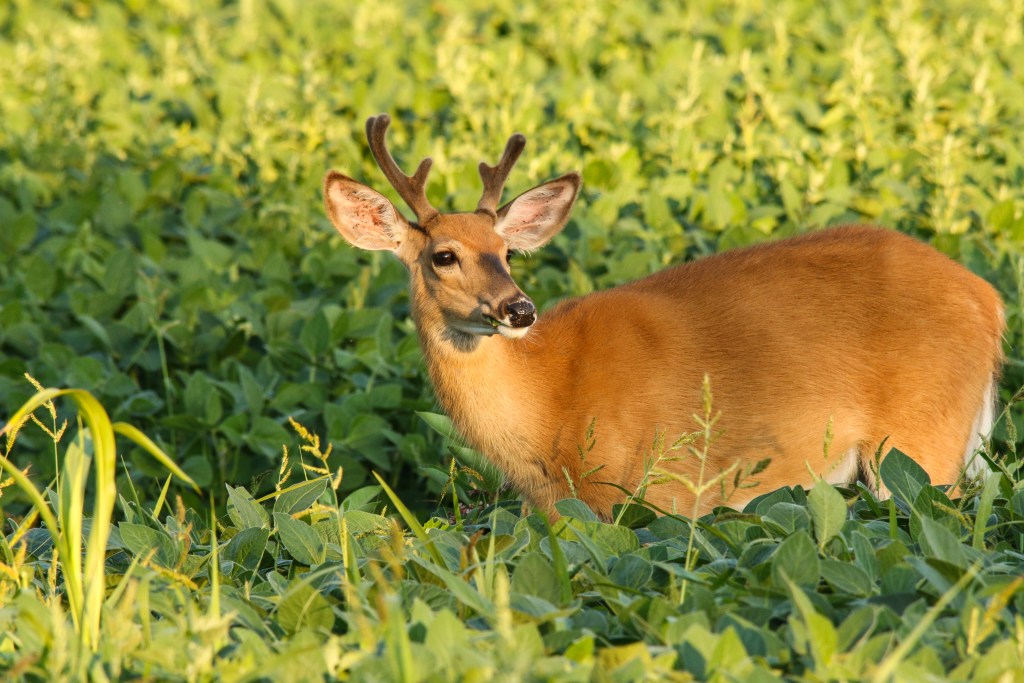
(818,349)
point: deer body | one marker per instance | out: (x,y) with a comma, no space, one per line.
(858,332)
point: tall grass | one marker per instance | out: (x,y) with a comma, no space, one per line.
(95,445)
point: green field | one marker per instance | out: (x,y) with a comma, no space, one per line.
(163,249)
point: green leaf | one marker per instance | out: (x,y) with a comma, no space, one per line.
(140,540)
(252,390)
(1000,216)
(360,523)
(245,513)
(246,548)
(904,477)
(534,575)
(198,469)
(361,499)
(202,400)
(267,435)
(935,505)
(559,562)
(460,589)
(993,482)
(120,273)
(613,540)
(302,607)
(796,558)
(301,496)
(938,542)
(632,572)
(790,517)
(536,608)
(476,461)
(633,516)
(300,540)
(316,335)
(728,652)
(811,628)
(845,577)
(668,527)
(856,626)
(40,276)
(441,424)
(576,509)
(864,554)
(828,511)
(19,229)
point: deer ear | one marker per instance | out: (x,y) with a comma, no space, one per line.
(365,218)
(534,217)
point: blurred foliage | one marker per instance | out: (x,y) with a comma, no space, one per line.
(163,244)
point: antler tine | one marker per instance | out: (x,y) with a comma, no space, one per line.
(494,177)
(412,188)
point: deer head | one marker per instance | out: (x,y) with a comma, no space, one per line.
(458,262)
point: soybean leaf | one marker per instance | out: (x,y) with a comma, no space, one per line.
(244,511)
(796,558)
(828,511)
(577,509)
(614,540)
(903,476)
(301,496)
(246,548)
(812,628)
(534,575)
(633,516)
(939,542)
(631,571)
(933,504)
(300,540)
(140,540)
(788,517)
(845,577)
(361,499)
(303,607)
(316,335)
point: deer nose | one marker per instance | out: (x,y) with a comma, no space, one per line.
(521,313)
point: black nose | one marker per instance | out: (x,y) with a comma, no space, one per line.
(521,313)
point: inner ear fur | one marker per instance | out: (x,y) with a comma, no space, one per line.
(363,216)
(534,217)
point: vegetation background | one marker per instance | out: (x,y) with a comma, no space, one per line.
(163,247)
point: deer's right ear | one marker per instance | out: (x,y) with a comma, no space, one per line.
(364,217)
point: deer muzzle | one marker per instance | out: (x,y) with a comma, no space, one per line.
(520,313)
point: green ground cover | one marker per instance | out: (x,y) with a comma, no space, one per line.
(163,247)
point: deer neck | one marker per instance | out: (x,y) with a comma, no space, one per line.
(478,380)
(484,384)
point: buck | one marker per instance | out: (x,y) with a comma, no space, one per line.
(858,333)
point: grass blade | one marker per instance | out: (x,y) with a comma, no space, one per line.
(988,496)
(412,523)
(887,667)
(150,447)
(85,585)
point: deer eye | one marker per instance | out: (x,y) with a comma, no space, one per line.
(444,258)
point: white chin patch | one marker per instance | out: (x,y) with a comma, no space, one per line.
(512,332)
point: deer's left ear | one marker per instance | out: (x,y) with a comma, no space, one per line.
(534,217)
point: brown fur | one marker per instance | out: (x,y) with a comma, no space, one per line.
(864,327)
